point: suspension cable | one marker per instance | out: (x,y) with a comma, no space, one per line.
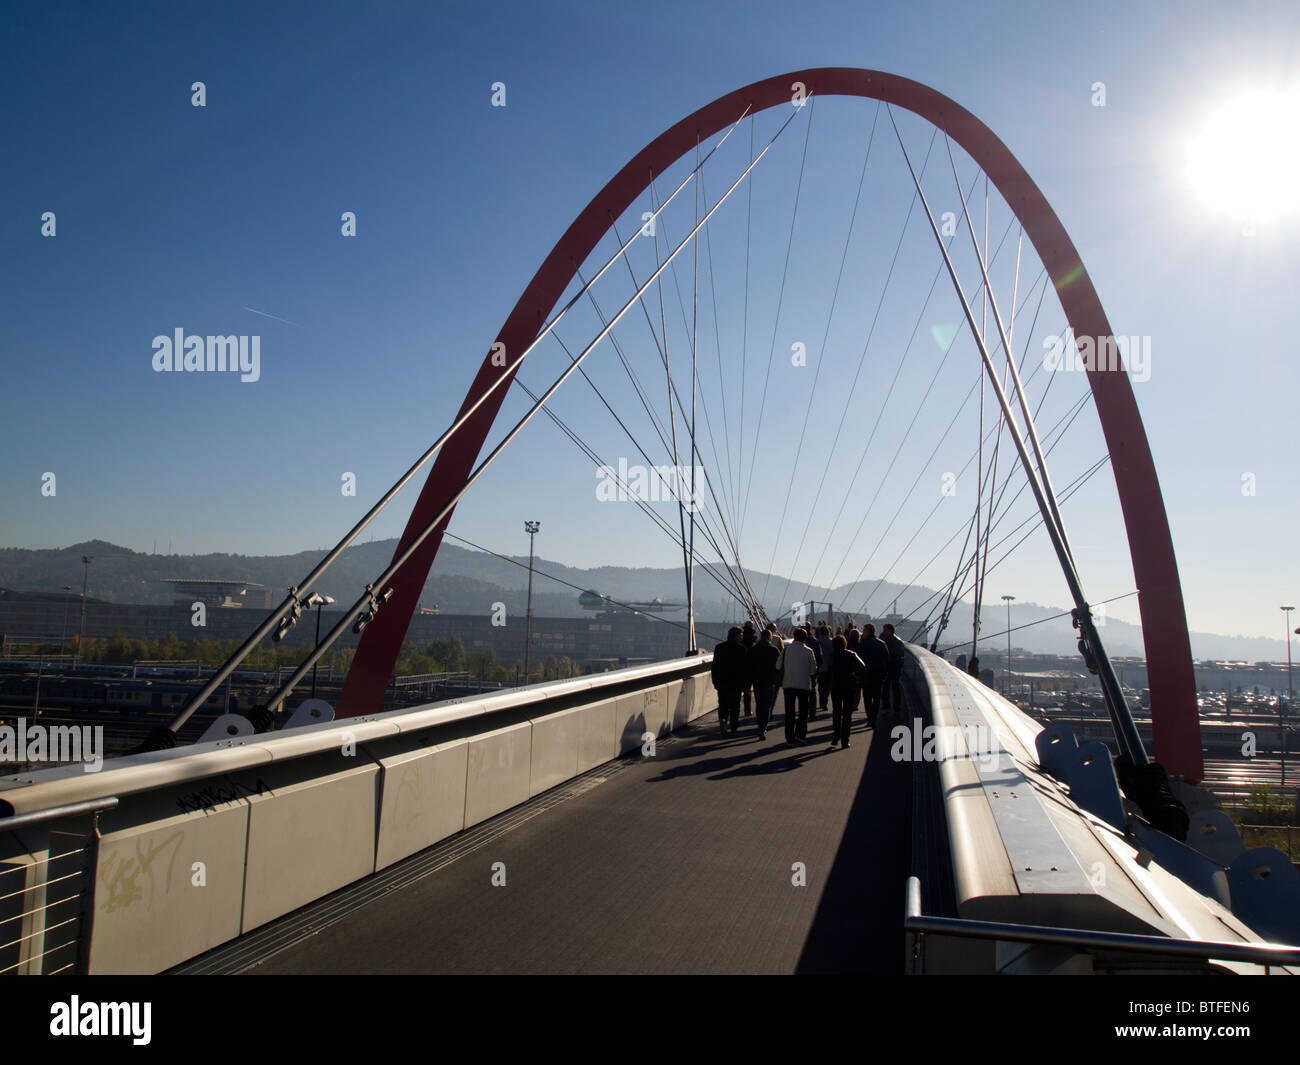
(591,454)
(1121,717)
(370,601)
(1030,431)
(776,321)
(569,584)
(694,467)
(1040,621)
(1034,520)
(812,395)
(871,436)
(292,602)
(867,602)
(1060,428)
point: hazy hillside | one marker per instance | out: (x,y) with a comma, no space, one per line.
(469,582)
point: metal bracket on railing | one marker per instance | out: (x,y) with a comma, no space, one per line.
(94,806)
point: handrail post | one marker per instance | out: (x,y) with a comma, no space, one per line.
(912,908)
(88,895)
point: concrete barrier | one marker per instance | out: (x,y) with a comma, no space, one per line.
(169,859)
(702,698)
(214,840)
(496,778)
(640,713)
(598,735)
(310,832)
(423,795)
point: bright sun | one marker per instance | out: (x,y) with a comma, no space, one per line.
(1246,159)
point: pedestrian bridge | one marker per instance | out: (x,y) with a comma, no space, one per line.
(604,825)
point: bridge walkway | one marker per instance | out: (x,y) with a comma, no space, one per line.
(680,863)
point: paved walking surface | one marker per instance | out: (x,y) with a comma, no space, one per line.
(681,863)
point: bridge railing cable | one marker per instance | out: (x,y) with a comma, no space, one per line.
(47,905)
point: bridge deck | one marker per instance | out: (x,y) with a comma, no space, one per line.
(680,863)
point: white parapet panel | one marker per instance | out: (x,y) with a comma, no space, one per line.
(706,698)
(680,702)
(598,734)
(556,742)
(696,698)
(641,712)
(497,776)
(170,877)
(422,797)
(310,831)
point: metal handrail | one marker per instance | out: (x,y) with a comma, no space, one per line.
(90,806)
(84,919)
(915,921)
(430,678)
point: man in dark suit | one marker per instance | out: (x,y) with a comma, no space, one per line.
(873,651)
(730,678)
(763,659)
(894,681)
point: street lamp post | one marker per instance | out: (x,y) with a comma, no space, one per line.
(317,601)
(40,658)
(1286,613)
(86,560)
(1007,599)
(531,528)
(63,638)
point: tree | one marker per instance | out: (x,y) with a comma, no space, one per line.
(115,649)
(449,653)
(483,664)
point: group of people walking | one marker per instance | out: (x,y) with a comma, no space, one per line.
(814,668)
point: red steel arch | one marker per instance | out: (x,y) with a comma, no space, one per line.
(1164,621)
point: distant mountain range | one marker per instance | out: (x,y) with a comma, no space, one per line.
(469,582)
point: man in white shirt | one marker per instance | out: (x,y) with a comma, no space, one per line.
(799,667)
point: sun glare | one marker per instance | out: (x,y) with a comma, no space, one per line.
(1246,159)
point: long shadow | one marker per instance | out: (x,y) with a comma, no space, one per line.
(795,757)
(743,748)
(858,927)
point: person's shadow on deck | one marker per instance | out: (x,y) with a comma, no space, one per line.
(747,755)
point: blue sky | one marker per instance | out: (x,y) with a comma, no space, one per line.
(174,216)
